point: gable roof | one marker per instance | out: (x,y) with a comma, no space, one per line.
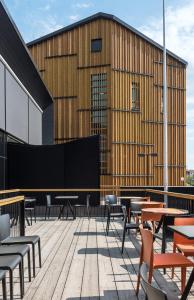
(105,16)
(16,54)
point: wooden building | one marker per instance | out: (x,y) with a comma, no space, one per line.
(107,78)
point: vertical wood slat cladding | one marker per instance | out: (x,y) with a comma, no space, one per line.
(67,64)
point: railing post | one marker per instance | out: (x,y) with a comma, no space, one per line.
(22,218)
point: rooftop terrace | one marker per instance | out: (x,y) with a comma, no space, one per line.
(81,262)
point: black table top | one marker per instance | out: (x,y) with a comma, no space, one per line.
(186,231)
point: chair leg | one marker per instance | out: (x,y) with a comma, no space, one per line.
(4,288)
(46,213)
(49,212)
(88,212)
(183,279)
(33,260)
(108,225)
(29,267)
(39,253)
(123,241)
(104,210)
(21,275)
(11,283)
(75,212)
(35,214)
(31,217)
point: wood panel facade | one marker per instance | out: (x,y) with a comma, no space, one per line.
(72,73)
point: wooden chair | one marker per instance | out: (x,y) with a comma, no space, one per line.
(147,216)
(112,215)
(6,239)
(112,200)
(180,243)
(50,206)
(129,226)
(3,279)
(158,261)
(152,293)
(10,263)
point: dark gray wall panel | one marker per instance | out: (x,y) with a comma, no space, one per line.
(48,125)
(2,97)
(16,109)
(35,124)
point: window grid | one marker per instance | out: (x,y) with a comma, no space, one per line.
(99,114)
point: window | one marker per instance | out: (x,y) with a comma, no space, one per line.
(135,105)
(99,100)
(96,45)
(99,114)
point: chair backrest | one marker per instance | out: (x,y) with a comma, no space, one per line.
(179,239)
(149,216)
(48,200)
(4,227)
(151,292)
(88,200)
(147,251)
(153,205)
(135,207)
(111,199)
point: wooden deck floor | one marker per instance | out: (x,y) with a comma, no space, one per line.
(81,262)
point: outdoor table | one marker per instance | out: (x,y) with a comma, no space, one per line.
(67,204)
(188,232)
(147,203)
(130,198)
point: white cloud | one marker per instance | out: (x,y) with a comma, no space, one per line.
(74,17)
(40,27)
(180,40)
(83,5)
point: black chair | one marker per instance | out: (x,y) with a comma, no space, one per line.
(9,263)
(3,279)
(152,293)
(5,239)
(129,226)
(30,209)
(111,214)
(110,199)
(49,206)
(86,206)
(20,250)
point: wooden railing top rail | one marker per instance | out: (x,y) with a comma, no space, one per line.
(171,194)
(4,192)
(80,190)
(11,200)
(159,192)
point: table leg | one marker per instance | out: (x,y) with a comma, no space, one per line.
(71,209)
(188,286)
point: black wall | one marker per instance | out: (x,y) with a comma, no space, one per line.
(70,165)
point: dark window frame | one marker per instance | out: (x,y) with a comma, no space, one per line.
(96,45)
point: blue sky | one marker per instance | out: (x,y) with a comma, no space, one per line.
(35,18)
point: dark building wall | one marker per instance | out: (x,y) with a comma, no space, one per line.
(48,125)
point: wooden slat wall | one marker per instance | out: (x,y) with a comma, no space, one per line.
(66,64)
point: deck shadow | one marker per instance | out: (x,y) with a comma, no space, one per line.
(114,252)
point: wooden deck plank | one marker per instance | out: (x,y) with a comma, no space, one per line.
(121,274)
(107,283)
(90,283)
(49,251)
(73,283)
(50,279)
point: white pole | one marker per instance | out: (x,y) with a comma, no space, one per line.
(165,111)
